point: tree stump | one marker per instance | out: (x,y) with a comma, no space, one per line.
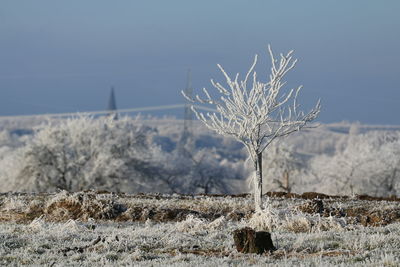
(249,241)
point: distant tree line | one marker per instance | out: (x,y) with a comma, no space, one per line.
(128,155)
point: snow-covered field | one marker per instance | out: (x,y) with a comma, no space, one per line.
(89,228)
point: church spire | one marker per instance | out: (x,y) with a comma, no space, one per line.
(112,105)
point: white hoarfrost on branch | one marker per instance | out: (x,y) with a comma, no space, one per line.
(258,114)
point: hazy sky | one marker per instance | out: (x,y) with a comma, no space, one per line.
(63,56)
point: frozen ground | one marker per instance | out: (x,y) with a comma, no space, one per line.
(89,228)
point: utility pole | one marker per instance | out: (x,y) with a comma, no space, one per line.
(186,142)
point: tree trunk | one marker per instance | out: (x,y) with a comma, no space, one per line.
(286,179)
(258,182)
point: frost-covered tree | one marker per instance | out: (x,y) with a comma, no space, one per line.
(368,164)
(256,112)
(86,153)
(387,177)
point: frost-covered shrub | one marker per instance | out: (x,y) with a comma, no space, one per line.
(86,153)
(292,220)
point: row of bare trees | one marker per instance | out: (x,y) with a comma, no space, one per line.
(122,156)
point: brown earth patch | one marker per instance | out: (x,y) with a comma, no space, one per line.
(314,195)
(354,215)
(85,205)
(104,205)
(366,197)
(314,206)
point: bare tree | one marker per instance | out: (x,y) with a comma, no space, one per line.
(256,116)
(283,163)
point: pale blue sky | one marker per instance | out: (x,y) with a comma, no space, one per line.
(63,56)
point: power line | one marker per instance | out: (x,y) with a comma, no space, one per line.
(102,112)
